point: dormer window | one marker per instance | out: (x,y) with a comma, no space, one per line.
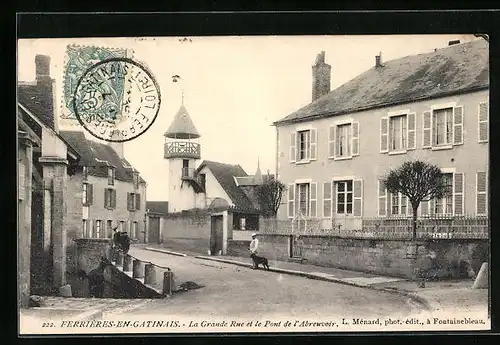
(111,176)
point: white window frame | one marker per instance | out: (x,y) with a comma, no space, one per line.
(400,205)
(307,159)
(451,171)
(308,198)
(485,121)
(97,232)
(481,193)
(337,141)
(442,106)
(85,226)
(336,184)
(390,116)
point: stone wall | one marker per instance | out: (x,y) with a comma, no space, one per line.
(74,216)
(385,257)
(186,231)
(238,247)
(274,246)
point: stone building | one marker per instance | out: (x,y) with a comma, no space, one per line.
(54,168)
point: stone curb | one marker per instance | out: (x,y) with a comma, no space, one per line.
(164,251)
(420,300)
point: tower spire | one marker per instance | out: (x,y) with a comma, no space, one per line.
(182,97)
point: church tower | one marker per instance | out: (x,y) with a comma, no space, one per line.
(182,150)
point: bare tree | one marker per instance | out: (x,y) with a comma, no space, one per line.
(418,181)
(269,195)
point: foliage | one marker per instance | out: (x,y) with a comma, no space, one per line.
(418,181)
(269,195)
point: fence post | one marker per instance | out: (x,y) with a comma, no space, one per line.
(167,282)
(127,263)
(138,269)
(119,259)
(149,274)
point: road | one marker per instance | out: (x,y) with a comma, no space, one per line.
(231,290)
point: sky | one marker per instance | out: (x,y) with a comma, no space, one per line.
(234,86)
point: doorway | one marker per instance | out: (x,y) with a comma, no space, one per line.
(154,230)
(216,234)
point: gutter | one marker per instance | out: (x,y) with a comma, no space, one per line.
(369,107)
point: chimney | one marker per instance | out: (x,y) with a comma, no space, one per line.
(378,60)
(47,89)
(451,43)
(321,72)
(42,66)
(117,146)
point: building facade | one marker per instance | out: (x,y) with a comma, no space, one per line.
(55,171)
(111,191)
(432,107)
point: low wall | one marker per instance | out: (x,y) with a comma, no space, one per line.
(274,246)
(188,225)
(89,252)
(385,257)
(238,247)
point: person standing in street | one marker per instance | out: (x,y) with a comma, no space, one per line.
(254,245)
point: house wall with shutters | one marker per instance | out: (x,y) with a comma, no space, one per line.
(120,212)
(467,155)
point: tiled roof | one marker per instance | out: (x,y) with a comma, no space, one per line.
(98,157)
(225,173)
(37,98)
(250,180)
(182,127)
(455,69)
(160,207)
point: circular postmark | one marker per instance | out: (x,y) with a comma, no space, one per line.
(116,99)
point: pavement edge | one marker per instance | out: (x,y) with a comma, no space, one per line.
(418,299)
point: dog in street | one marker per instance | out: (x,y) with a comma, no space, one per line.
(259,260)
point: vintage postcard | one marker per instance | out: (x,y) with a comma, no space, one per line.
(253,184)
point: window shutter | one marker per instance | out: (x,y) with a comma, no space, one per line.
(291,200)
(412,132)
(355,138)
(293,145)
(90,226)
(313,212)
(458,125)
(458,193)
(432,206)
(327,200)
(382,199)
(129,201)
(137,201)
(357,186)
(483,116)
(313,147)
(481,187)
(424,207)
(426,128)
(331,142)
(90,194)
(384,134)
(113,198)
(106,192)
(334,199)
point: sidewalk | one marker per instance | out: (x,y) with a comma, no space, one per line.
(436,296)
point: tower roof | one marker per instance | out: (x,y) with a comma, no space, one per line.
(182,127)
